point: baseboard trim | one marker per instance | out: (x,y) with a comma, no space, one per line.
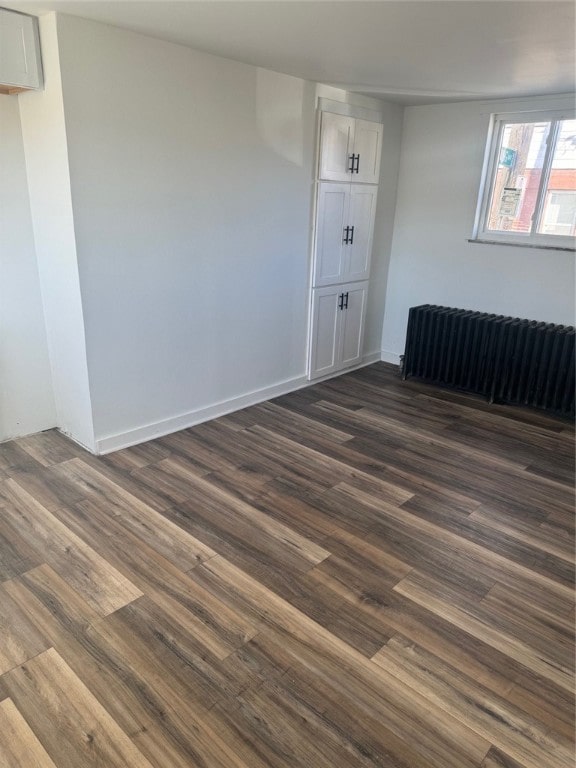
(131,437)
(390,357)
(372,357)
(68,436)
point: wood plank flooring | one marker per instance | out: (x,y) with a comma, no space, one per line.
(366,572)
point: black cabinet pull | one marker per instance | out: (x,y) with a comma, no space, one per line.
(343,300)
(351,161)
(348,236)
(357,168)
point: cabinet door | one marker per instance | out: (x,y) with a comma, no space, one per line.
(19,50)
(331,253)
(368,145)
(325,331)
(361,213)
(336,141)
(352,320)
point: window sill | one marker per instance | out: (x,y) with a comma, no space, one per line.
(483,241)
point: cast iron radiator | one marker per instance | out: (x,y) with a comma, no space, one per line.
(504,358)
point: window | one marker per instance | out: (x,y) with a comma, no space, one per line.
(528,193)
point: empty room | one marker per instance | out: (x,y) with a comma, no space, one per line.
(287,308)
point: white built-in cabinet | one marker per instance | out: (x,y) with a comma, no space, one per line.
(349,149)
(345,224)
(20,65)
(338,313)
(346,192)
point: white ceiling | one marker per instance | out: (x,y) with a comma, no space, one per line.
(410,51)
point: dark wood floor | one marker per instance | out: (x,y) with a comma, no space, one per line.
(363,573)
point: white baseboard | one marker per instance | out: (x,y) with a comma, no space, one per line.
(389,357)
(167,426)
(369,359)
(90,448)
(373,357)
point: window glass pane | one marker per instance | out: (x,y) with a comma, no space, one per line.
(559,213)
(520,158)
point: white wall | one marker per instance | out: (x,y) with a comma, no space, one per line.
(44,135)
(26,398)
(384,225)
(432,262)
(191,182)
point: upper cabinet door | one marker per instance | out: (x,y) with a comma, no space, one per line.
(367,149)
(331,251)
(361,215)
(336,144)
(19,51)
(349,149)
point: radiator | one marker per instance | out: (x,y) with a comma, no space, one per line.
(506,359)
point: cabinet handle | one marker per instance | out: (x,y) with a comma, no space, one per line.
(356,168)
(348,236)
(341,301)
(351,161)
(345,306)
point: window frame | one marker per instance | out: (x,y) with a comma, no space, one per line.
(532,239)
